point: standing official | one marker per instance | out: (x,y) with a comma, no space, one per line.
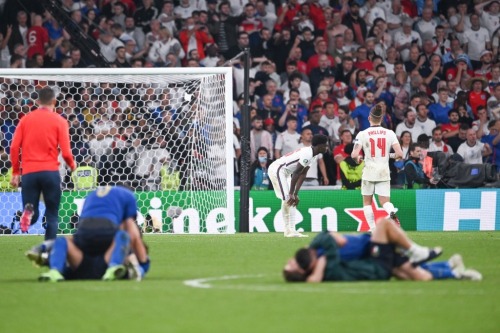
(38,139)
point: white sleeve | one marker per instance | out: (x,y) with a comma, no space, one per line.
(305,157)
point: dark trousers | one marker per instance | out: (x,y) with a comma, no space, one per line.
(47,183)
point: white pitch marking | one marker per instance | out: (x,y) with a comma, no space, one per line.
(206,283)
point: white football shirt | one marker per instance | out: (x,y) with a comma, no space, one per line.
(376,142)
(289,162)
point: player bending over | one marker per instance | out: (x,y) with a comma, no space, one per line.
(322,260)
(287,175)
(376,143)
(106,234)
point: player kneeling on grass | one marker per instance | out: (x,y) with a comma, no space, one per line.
(106,234)
(322,260)
(288,173)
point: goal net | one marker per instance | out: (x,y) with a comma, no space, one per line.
(165,132)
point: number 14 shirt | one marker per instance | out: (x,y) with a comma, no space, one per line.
(376,142)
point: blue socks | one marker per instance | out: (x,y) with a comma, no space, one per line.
(121,249)
(58,255)
(440,270)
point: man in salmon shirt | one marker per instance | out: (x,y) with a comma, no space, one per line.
(38,138)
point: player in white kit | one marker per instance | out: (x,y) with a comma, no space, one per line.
(376,143)
(287,175)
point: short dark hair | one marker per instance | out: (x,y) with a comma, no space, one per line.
(293,276)
(413,146)
(453,111)
(319,139)
(304,258)
(46,95)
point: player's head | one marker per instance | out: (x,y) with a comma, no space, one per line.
(299,267)
(376,114)
(46,96)
(320,143)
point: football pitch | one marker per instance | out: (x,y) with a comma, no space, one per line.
(233,283)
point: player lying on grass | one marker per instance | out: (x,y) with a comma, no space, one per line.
(106,234)
(287,175)
(322,261)
(358,247)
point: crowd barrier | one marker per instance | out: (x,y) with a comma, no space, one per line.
(421,210)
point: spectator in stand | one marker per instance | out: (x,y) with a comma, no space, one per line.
(437,143)
(319,73)
(473,150)
(286,14)
(313,122)
(476,39)
(493,140)
(267,17)
(353,21)
(423,120)
(145,14)
(135,32)
(477,95)
(224,28)
(38,40)
(154,33)
(19,31)
(288,140)
(456,141)
(121,59)
(362,112)
(119,13)
(321,49)
(406,39)
(259,138)
(108,44)
(493,104)
(162,47)
(481,124)
(251,24)
(167,17)
(409,125)
(296,55)
(322,97)
(194,37)
(295,82)
(339,153)
(486,58)
(450,129)
(294,107)
(460,71)
(439,110)
(339,93)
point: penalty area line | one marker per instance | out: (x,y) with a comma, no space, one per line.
(371,288)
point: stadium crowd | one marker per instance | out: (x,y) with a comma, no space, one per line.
(318,67)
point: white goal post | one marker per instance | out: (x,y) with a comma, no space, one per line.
(165,132)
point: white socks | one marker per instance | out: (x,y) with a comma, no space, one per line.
(370,217)
(287,217)
(389,207)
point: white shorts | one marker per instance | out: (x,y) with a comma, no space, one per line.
(281,181)
(380,188)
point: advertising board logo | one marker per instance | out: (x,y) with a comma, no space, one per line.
(359,215)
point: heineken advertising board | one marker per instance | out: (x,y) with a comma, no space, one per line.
(336,210)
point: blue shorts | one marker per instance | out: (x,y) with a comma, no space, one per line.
(91,268)
(94,236)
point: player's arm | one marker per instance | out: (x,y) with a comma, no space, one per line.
(356,152)
(322,168)
(398,152)
(318,271)
(135,240)
(15,149)
(298,178)
(65,146)
(339,239)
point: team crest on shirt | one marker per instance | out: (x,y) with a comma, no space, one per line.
(305,161)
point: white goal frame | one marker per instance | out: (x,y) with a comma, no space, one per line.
(184,73)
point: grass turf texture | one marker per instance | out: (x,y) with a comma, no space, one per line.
(257,302)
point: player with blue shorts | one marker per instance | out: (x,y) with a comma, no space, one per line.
(106,234)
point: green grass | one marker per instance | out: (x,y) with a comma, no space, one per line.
(257,301)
